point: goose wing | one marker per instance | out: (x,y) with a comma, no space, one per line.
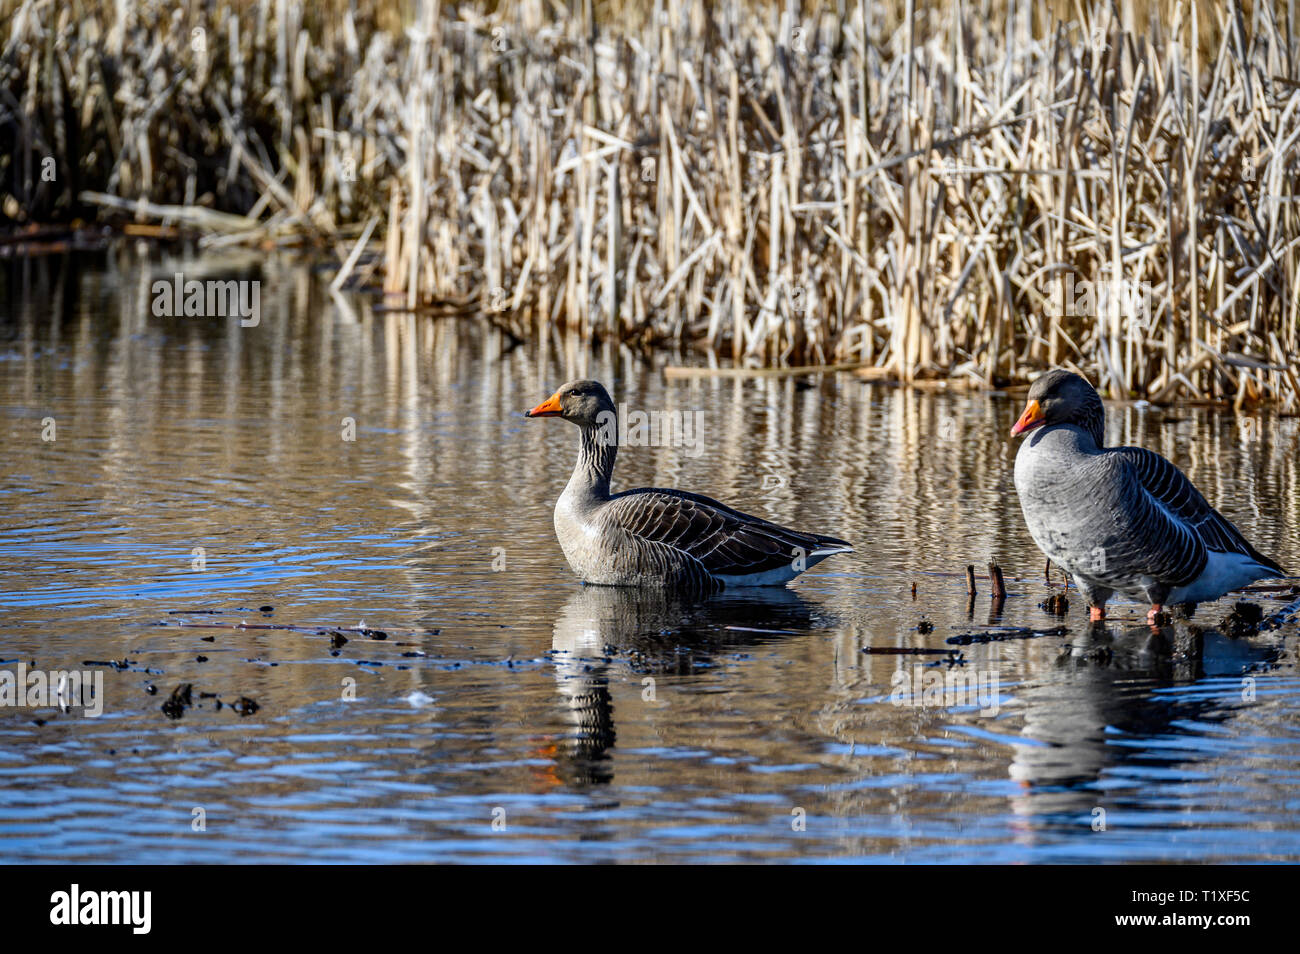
(725,541)
(1139,538)
(1170,487)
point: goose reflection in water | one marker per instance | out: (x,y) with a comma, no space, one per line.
(608,639)
(1099,693)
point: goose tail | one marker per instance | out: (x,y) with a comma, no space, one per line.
(829,546)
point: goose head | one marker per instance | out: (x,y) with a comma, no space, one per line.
(1062,397)
(582,402)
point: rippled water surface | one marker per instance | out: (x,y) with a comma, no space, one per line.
(513,714)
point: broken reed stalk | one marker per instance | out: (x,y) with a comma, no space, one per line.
(996,582)
(970,579)
(974,190)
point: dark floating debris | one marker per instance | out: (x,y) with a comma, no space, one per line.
(151,689)
(997,636)
(362,630)
(200,658)
(925,627)
(119,664)
(207,639)
(244,706)
(909,651)
(1056,604)
(178,701)
(1244,620)
(337,639)
(1282,616)
(1263,665)
(266,609)
(243,624)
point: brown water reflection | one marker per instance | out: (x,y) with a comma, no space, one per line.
(593,724)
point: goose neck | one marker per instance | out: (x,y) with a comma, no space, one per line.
(596,453)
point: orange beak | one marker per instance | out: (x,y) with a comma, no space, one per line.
(548,408)
(1032,418)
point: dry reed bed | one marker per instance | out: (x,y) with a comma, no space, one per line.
(761,182)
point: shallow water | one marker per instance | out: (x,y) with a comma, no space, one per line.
(513,714)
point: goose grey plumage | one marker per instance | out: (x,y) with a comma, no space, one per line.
(659,537)
(1122,519)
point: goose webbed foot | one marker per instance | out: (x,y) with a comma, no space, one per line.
(1096,614)
(1157,616)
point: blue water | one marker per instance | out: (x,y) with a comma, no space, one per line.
(513,714)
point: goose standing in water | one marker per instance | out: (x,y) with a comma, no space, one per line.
(656,537)
(1121,519)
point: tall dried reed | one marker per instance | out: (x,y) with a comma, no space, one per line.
(969,190)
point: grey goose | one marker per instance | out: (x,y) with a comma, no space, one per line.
(1120,519)
(660,537)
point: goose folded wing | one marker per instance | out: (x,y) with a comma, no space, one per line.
(1170,487)
(725,541)
(1138,536)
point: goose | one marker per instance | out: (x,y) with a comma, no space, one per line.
(656,537)
(1120,519)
